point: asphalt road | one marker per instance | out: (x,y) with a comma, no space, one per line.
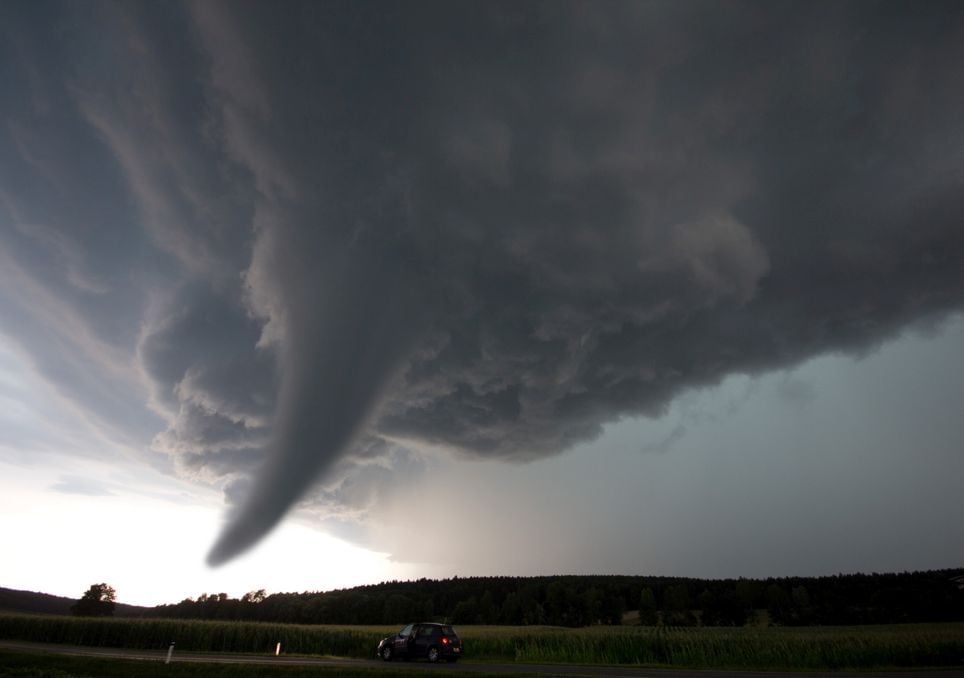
(462,666)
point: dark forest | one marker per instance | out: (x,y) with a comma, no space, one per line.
(934,596)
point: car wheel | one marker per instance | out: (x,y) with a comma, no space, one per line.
(387,653)
(433,654)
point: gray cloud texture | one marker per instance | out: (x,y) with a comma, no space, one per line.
(315,238)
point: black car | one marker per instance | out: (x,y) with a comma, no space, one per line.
(432,641)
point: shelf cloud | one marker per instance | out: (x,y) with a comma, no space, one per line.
(324,236)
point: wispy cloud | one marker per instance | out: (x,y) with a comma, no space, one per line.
(81,486)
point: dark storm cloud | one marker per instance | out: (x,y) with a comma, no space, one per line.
(768,187)
(208,378)
(493,228)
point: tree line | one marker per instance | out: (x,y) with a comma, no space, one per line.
(574,601)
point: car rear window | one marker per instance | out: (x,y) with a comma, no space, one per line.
(448,630)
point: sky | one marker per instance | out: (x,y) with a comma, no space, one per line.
(311,298)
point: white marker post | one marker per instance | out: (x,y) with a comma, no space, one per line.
(170,651)
(277,650)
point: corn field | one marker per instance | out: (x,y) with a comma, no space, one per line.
(814,648)
(193,635)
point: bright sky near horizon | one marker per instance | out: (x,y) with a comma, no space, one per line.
(335,295)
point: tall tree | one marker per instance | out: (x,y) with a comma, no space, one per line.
(648,616)
(676,607)
(97,601)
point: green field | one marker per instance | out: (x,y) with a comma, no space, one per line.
(810,648)
(813,648)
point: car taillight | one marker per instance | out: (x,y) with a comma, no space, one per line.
(445,640)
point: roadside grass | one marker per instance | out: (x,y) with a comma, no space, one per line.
(746,648)
(22,665)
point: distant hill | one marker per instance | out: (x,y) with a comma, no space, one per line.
(578,600)
(12,600)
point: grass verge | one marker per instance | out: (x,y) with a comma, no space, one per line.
(23,665)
